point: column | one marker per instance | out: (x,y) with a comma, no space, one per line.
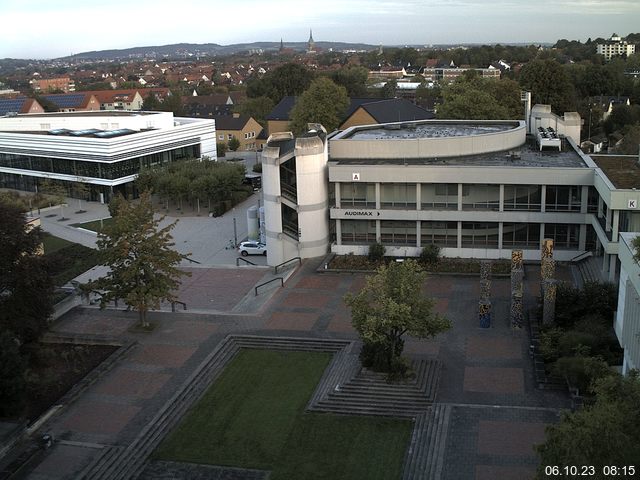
(418,196)
(582,237)
(418,237)
(608,221)
(459,234)
(378,233)
(338,231)
(378,200)
(501,203)
(599,206)
(500,231)
(459,197)
(543,198)
(584,205)
(337,194)
(612,268)
(616,224)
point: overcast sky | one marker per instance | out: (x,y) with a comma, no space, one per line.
(49,29)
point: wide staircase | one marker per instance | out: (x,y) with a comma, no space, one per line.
(359,391)
(588,270)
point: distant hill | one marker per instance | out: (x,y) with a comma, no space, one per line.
(204,49)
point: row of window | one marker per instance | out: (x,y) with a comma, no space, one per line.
(444,196)
(111,170)
(473,234)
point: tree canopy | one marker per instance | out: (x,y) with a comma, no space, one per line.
(603,434)
(475,98)
(353,78)
(289,79)
(25,284)
(323,102)
(392,304)
(549,84)
(143,264)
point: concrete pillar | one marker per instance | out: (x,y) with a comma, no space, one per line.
(541,233)
(543,198)
(338,231)
(418,237)
(500,232)
(616,224)
(584,199)
(459,234)
(377,196)
(608,221)
(418,196)
(378,233)
(605,263)
(600,203)
(582,237)
(337,194)
(612,268)
(459,197)
(549,302)
(501,204)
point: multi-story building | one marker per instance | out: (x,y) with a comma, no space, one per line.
(46,85)
(614,47)
(477,189)
(103,149)
(450,74)
(241,127)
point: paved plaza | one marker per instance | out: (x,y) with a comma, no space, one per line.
(496,412)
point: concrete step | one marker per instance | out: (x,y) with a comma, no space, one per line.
(425,455)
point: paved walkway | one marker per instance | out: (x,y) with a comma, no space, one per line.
(496,416)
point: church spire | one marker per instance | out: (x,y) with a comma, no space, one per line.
(311,46)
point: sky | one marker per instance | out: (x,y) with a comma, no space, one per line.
(49,29)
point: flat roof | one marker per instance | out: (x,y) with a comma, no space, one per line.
(527,155)
(91,113)
(622,170)
(430,129)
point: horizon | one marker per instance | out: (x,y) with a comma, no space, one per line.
(410,22)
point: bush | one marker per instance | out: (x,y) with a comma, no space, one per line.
(594,298)
(257,167)
(376,252)
(581,371)
(234,144)
(430,254)
(12,380)
(221,149)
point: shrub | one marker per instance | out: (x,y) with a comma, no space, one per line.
(234,144)
(581,371)
(430,254)
(221,149)
(12,379)
(257,167)
(376,252)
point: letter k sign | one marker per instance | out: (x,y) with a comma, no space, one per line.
(632,204)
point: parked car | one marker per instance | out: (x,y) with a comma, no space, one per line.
(252,248)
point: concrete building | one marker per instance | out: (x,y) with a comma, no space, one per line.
(47,85)
(477,189)
(614,47)
(627,318)
(103,149)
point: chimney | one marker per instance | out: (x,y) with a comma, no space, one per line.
(236,115)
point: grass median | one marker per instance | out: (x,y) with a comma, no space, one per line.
(253,417)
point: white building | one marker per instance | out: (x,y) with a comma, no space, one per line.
(615,46)
(104,149)
(627,319)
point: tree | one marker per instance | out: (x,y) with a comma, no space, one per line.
(353,78)
(549,84)
(143,265)
(12,368)
(257,108)
(221,149)
(606,433)
(151,103)
(389,89)
(25,284)
(81,189)
(474,98)
(288,79)
(234,144)
(390,305)
(323,102)
(56,192)
(631,142)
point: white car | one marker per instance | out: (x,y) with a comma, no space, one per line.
(252,248)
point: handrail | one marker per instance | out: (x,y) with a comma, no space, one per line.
(244,260)
(185,257)
(173,305)
(265,283)
(584,255)
(275,269)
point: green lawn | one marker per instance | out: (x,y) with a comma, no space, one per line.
(95,225)
(67,259)
(253,417)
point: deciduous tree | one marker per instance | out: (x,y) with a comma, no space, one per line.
(549,84)
(323,102)
(143,264)
(392,304)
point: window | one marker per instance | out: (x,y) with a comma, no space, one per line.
(398,232)
(564,236)
(481,197)
(221,137)
(229,136)
(479,235)
(521,235)
(443,234)
(358,194)
(440,196)
(563,198)
(398,195)
(522,197)
(358,232)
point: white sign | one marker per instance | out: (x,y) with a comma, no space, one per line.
(632,204)
(355,177)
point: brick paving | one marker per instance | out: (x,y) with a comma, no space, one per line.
(486,380)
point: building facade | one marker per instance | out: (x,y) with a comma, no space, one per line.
(614,47)
(105,150)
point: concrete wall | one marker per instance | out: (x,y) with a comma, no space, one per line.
(568,125)
(627,318)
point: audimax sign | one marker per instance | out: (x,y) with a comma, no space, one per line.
(361,213)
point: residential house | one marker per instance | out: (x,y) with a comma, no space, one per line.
(119,99)
(73,102)
(384,111)
(242,127)
(19,105)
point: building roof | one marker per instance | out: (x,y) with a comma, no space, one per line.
(69,100)
(112,96)
(230,122)
(282,110)
(623,171)
(396,110)
(18,105)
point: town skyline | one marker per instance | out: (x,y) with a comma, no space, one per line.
(411,22)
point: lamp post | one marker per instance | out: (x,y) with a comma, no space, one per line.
(235,230)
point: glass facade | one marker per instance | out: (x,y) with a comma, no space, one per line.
(481,197)
(564,236)
(480,235)
(107,170)
(398,195)
(439,196)
(398,232)
(358,232)
(563,198)
(520,235)
(443,234)
(361,195)
(288,180)
(522,198)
